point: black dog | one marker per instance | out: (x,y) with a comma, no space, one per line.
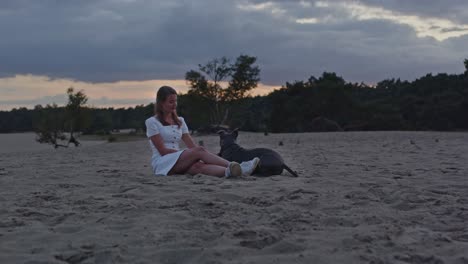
(271,162)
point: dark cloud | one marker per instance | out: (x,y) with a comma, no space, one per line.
(110,40)
(61,100)
(451,9)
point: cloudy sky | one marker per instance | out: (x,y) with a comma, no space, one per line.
(120,51)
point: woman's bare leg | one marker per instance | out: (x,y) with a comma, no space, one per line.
(210,158)
(190,156)
(208,169)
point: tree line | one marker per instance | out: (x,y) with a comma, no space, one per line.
(218,96)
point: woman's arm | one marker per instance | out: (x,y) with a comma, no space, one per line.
(188,140)
(159,144)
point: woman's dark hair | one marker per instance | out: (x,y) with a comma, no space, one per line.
(161,96)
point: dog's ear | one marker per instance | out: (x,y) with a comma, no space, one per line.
(235,132)
(221,132)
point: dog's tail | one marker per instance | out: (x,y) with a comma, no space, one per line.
(290,171)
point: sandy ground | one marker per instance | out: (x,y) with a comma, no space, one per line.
(364,197)
(26,142)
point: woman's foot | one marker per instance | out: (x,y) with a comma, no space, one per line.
(233,170)
(248,167)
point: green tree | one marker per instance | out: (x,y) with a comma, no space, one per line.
(244,78)
(53,121)
(76,114)
(49,125)
(207,83)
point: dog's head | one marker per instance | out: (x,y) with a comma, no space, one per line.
(227,138)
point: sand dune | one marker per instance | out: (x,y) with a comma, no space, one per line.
(364,197)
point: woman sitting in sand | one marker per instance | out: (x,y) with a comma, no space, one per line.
(165,130)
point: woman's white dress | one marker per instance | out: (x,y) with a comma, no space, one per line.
(171,136)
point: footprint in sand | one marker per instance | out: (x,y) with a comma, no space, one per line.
(246,234)
(257,201)
(90,253)
(70,186)
(68,229)
(127,194)
(75,256)
(285,247)
(179,255)
(419,259)
(256,239)
(228,197)
(109,173)
(359,197)
(461,238)
(339,221)
(372,220)
(33,214)
(120,224)
(208,210)
(13,222)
